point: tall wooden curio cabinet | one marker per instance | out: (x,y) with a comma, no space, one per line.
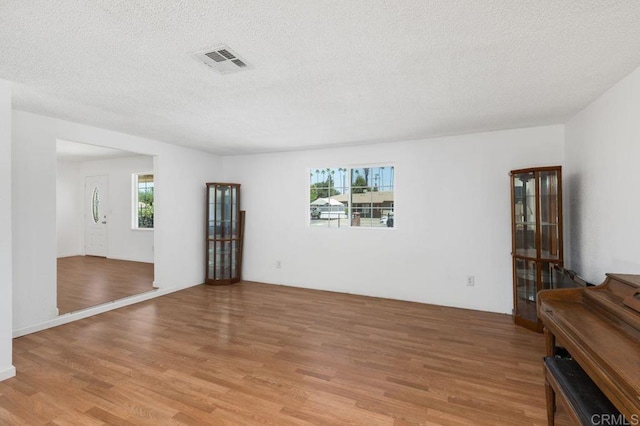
(536,218)
(224,235)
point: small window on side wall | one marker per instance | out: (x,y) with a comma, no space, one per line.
(342,197)
(143,196)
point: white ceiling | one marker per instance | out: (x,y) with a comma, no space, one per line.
(325,72)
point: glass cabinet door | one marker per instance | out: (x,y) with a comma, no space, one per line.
(524,192)
(223,235)
(536,217)
(526,288)
(549,238)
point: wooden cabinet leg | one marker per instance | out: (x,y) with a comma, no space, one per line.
(550,342)
(551,403)
(550,349)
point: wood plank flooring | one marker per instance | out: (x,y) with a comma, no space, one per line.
(85,281)
(262,354)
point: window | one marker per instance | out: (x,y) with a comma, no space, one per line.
(352,197)
(143,201)
(95,205)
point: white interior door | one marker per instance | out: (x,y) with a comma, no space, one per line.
(96,205)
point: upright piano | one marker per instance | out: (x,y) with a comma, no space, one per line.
(600,328)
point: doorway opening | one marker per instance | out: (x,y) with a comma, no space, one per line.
(101,257)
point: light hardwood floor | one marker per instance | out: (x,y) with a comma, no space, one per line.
(262,354)
(85,281)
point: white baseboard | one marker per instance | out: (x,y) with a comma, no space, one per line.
(94,310)
(7,373)
(129,259)
(70,255)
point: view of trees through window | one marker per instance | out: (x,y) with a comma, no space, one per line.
(342,197)
(143,184)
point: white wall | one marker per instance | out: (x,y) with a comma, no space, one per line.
(6,368)
(180,201)
(34,226)
(452,217)
(123,242)
(602,152)
(69,209)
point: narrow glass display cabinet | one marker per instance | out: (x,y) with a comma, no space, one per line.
(224,235)
(536,235)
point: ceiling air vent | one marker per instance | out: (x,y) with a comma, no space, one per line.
(222,59)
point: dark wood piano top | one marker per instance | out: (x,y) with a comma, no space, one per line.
(601,333)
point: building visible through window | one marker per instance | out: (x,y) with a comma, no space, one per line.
(143,186)
(342,197)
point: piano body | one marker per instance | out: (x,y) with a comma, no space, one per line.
(600,328)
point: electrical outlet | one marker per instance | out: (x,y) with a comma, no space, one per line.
(471,280)
(278,264)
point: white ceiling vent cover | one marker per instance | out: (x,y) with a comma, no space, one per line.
(222,59)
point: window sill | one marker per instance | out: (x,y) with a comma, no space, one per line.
(377,228)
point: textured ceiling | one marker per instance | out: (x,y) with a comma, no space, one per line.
(326,72)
